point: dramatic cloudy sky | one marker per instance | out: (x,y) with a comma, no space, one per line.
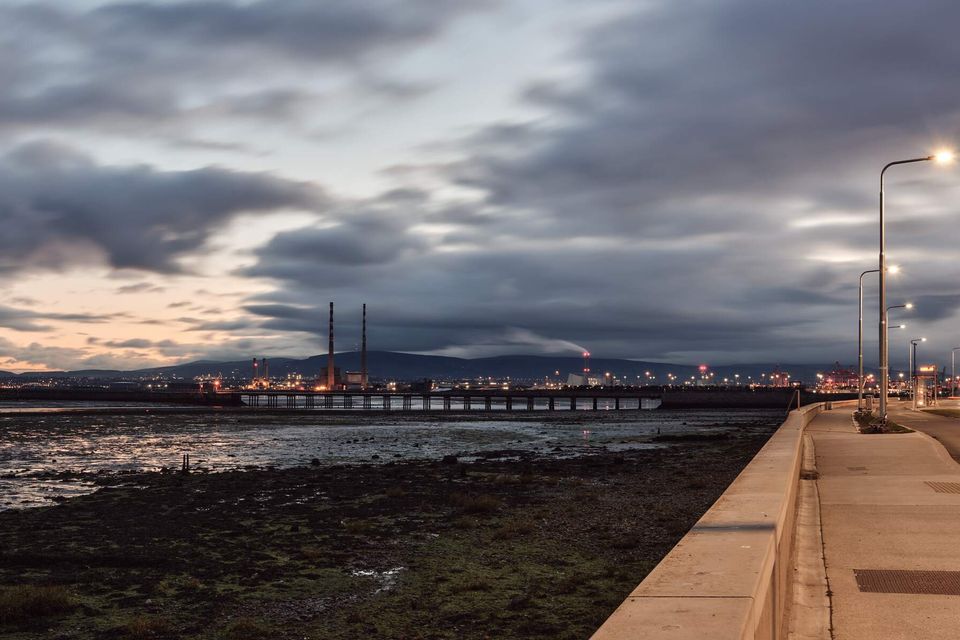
(683,181)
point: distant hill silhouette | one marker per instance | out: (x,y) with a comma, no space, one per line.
(389,365)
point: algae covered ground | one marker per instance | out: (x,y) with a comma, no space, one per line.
(512,545)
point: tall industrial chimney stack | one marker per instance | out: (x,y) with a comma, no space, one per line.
(330,377)
(363,352)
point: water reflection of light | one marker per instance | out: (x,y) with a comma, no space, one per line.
(36,453)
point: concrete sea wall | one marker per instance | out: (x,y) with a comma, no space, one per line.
(729,577)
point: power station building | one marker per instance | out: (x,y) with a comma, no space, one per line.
(351,379)
(331,378)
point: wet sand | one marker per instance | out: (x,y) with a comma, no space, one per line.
(512,544)
(44,457)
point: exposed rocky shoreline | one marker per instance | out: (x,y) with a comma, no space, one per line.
(511,545)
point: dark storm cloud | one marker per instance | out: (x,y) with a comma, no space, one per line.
(930,307)
(683,199)
(140,287)
(358,241)
(125,63)
(28,320)
(61,208)
(699,112)
(237,326)
(293,29)
(133,343)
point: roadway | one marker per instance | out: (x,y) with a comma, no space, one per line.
(945,430)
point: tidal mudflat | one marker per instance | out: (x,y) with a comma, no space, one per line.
(529,541)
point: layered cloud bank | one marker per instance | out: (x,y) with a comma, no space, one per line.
(679,181)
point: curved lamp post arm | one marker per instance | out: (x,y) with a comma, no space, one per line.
(884,350)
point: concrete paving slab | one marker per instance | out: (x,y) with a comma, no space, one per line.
(899,537)
(713,563)
(674,618)
(886,490)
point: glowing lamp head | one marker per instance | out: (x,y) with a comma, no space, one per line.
(894,268)
(923,339)
(944,156)
(909,305)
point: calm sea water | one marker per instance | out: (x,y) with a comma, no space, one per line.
(59,454)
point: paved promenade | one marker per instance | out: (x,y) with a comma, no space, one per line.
(890,513)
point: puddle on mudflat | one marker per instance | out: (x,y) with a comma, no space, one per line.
(385,579)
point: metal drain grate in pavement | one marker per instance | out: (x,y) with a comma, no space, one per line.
(944,487)
(944,583)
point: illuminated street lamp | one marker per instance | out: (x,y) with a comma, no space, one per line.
(942,157)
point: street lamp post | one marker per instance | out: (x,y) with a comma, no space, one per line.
(890,269)
(953,371)
(885,322)
(860,343)
(943,156)
(913,369)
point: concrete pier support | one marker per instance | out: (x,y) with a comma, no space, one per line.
(465,400)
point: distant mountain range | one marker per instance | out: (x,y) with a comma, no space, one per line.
(388,365)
